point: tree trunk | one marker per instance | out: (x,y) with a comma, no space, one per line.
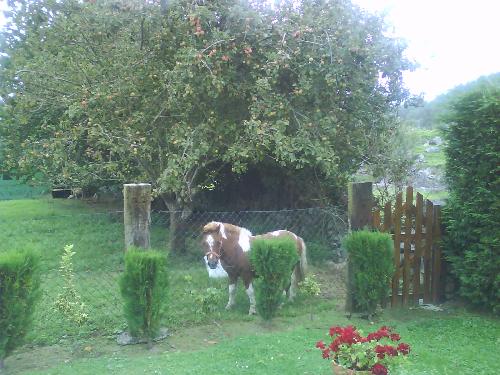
(177,240)
(164,6)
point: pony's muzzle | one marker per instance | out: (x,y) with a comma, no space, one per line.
(212,263)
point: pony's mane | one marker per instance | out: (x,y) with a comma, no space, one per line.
(233,229)
(228,228)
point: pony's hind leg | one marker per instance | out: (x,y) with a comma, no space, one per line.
(232,294)
(292,289)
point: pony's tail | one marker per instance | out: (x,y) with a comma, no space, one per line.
(301,269)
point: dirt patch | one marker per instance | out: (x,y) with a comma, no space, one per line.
(332,279)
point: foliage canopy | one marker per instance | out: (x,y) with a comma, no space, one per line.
(104,92)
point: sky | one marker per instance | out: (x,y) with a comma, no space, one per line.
(453,41)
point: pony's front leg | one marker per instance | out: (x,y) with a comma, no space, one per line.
(232,294)
(251,298)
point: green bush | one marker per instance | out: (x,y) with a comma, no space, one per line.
(19,291)
(371,265)
(472,213)
(273,261)
(144,291)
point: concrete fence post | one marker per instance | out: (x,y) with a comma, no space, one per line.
(137,215)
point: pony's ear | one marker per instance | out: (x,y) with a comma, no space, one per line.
(211,227)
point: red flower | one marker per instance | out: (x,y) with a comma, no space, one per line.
(404,348)
(380,350)
(395,337)
(320,345)
(391,350)
(379,369)
(335,330)
(384,332)
(326,353)
(334,346)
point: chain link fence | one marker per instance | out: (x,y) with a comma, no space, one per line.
(98,259)
(14,189)
(321,228)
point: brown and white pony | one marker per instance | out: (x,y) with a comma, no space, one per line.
(227,245)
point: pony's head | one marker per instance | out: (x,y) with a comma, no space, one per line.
(212,241)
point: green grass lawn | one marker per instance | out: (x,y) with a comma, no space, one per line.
(212,341)
(442,343)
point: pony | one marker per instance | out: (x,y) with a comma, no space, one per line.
(226,249)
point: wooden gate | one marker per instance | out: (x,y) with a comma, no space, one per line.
(416,231)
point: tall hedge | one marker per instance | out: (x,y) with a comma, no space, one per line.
(273,261)
(371,262)
(472,213)
(19,291)
(144,291)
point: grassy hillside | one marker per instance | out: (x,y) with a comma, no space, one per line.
(430,166)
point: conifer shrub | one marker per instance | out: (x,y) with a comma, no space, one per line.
(144,287)
(19,291)
(273,261)
(371,262)
(472,213)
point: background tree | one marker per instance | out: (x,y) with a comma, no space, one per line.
(472,214)
(107,92)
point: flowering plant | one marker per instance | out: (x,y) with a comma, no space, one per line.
(350,350)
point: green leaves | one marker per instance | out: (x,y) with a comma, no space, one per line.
(19,281)
(472,212)
(144,287)
(370,257)
(273,261)
(130,94)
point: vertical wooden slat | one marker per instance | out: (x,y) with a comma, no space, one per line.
(387,218)
(436,268)
(398,209)
(407,244)
(418,247)
(376,219)
(429,213)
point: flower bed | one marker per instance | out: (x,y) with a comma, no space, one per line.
(350,350)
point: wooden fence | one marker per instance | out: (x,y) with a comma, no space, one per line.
(416,230)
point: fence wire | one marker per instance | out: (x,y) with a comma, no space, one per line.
(98,261)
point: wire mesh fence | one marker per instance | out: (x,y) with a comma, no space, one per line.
(98,260)
(14,189)
(321,228)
